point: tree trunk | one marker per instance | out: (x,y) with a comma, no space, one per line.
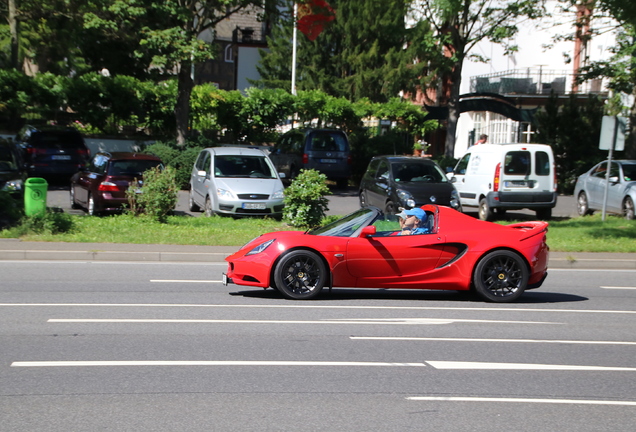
(182,108)
(13,26)
(453,110)
(630,139)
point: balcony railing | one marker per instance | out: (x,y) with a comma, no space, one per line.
(534,81)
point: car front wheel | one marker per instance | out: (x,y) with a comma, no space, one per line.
(91,206)
(582,206)
(500,276)
(300,275)
(628,208)
(363,200)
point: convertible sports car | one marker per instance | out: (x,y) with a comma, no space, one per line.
(363,250)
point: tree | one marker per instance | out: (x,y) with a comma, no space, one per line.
(462,24)
(366,52)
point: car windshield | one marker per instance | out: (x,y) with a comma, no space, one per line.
(349,225)
(243,166)
(131,167)
(417,172)
(629,172)
(7,160)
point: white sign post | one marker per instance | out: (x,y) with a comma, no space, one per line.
(612,138)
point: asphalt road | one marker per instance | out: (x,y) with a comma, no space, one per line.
(92,346)
(341,202)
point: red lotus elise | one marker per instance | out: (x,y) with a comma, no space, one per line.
(363,250)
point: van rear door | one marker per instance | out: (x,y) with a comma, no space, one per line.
(527,169)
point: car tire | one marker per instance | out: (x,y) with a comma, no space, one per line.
(544,214)
(485,212)
(500,276)
(208,207)
(363,200)
(300,275)
(74,204)
(389,208)
(628,208)
(582,205)
(191,204)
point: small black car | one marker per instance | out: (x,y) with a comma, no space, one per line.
(52,151)
(12,171)
(391,182)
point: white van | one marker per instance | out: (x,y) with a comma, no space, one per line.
(500,177)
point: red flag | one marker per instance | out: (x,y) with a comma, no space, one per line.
(312,17)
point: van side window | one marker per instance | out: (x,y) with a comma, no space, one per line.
(517,163)
(542,163)
(462,165)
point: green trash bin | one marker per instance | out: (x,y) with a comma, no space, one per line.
(35,196)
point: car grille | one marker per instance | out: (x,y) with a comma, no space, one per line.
(253,196)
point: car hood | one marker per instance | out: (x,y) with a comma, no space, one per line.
(422,191)
(249,185)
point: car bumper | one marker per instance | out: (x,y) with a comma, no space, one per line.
(251,208)
(521,200)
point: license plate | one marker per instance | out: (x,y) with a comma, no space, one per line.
(328,160)
(516,183)
(254,206)
(224,279)
(61,157)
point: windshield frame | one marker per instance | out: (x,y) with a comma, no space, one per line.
(350,225)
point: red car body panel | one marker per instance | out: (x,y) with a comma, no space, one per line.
(444,259)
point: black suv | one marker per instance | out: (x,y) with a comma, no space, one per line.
(391,182)
(325,150)
(12,171)
(52,151)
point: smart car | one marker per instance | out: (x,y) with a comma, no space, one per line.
(621,191)
(364,250)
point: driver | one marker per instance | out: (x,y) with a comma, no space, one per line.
(411,221)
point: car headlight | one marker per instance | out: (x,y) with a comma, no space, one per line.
(406,197)
(13,185)
(454,200)
(278,194)
(223,193)
(261,247)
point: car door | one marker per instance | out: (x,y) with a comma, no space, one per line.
(198,180)
(89,178)
(459,181)
(393,261)
(378,186)
(616,189)
(595,186)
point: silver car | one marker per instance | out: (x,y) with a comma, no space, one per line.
(621,192)
(235,181)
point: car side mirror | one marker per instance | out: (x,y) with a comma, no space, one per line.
(201,173)
(281,175)
(613,179)
(452,178)
(368,231)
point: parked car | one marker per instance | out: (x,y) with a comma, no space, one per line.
(363,250)
(391,182)
(325,150)
(13,173)
(52,152)
(235,181)
(621,189)
(501,177)
(101,186)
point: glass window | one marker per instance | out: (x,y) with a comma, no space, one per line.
(542,163)
(243,166)
(131,167)
(328,141)
(98,165)
(517,163)
(418,172)
(383,171)
(629,172)
(600,170)
(462,165)
(373,167)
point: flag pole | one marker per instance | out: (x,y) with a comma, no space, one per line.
(293,71)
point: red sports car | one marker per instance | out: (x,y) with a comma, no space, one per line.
(363,250)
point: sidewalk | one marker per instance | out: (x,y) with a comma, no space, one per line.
(14,249)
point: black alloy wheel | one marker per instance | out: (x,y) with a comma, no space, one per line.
(500,276)
(300,275)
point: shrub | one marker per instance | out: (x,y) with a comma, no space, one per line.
(305,201)
(49,222)
(10,210)
(159,194)
(183,164)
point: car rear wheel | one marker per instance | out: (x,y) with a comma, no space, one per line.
(74,204)
(500,276)
(363,200)
(300,275)
(208,207)
(582,206)
(628,208)
(91,206)
(191,204)
(485,212)
(389,208)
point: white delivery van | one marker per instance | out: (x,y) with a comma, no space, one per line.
(500,177)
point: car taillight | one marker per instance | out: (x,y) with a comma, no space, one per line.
(349,160)
(83,152)
(305,158)
(108,187)
(555,177)
(34,151)
(495,184)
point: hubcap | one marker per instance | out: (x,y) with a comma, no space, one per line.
(502,276)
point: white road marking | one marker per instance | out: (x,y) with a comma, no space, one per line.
(459,365)
(331,307)
(432,339)
(618,288)
(521,400)
(406,321)
(185,281)
(206,363)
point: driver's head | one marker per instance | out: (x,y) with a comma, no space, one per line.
(413,217)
